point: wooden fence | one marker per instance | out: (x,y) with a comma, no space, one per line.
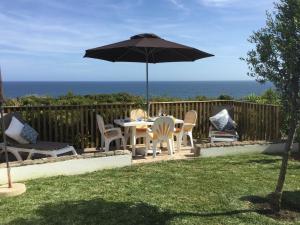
(77,124)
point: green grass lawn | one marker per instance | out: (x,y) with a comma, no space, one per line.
(202,191)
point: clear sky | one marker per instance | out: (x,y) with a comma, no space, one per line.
(46,39)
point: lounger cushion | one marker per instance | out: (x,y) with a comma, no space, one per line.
(29,134)
(7,119)
(42,145)
(222,121)
(14,131)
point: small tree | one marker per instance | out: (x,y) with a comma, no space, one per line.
(276,58)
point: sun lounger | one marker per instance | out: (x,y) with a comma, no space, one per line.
(52,149)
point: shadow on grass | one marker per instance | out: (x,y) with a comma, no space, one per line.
(291,200)
(264,161)
(272,163)
(290,209)
(99,211)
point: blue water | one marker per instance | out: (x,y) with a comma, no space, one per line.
(181,89)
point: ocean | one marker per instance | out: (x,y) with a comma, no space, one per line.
(182,89)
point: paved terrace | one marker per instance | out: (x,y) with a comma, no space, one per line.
(208,150)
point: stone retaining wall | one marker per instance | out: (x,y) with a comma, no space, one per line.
(65,165)
(65,157)
(245,147)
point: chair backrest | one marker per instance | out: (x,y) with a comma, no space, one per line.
(190,117)
(163,128)
(138,114)
(218,108)
(101,124)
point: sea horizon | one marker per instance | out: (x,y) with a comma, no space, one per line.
(181,89)
(129,81)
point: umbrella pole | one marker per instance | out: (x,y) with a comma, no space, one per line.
(3,132)
(8,190)
(147,89)
(5,148)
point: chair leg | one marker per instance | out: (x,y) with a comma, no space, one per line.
(74,151)
(123,143)
(190,134)
(179,141)
(16,154)
(126,134)
(184,139)
(146,150)
(106,146)
(30,154)
(154,143)
(147,143)
(118,144)
(173,145)
(102,143)
(170,146)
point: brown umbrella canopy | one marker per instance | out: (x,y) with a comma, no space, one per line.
(146,48)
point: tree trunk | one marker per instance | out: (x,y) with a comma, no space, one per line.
(277,195)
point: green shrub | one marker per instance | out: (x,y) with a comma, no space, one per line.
(270,96)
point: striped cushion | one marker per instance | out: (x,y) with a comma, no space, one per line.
(29,134)
(141,129)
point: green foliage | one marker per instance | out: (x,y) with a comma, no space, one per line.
(165,99)
(71,99)
(225,97)
(270,96)
(276,56)
(200,98)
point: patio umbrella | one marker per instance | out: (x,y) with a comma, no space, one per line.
(146,48)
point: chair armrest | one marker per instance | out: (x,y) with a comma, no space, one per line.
(113,129)
(108,126)
(189,124)
(116,129)
(188,127)
(149,130)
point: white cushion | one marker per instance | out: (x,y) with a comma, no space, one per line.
(14,131)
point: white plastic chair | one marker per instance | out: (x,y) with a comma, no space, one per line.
(186,130)
(109,134)
(162,131)
(141,131)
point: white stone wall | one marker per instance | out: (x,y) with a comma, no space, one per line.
(68,167)
(244,149)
